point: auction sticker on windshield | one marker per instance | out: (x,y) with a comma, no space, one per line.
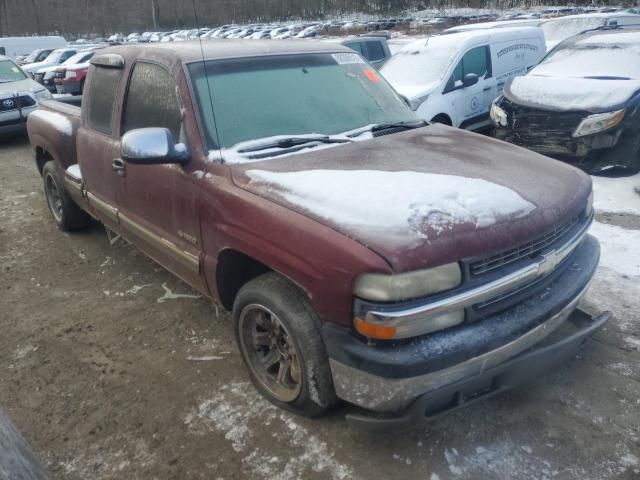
(347,58)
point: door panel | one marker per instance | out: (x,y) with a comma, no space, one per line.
(159,210)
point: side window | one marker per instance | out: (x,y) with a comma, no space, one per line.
(104,84)
(475,61)
(357,46)
(152,100)
(376,52)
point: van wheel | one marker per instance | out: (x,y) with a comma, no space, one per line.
(67,215)
(441,118)
(277,333)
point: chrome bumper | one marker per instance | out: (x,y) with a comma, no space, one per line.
(392,394)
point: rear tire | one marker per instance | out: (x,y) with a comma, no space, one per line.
(67,215)
(277,332)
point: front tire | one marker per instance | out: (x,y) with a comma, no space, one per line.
(67,215)
(277,332)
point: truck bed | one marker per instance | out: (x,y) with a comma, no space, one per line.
(53,128)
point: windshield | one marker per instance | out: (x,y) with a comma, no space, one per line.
(54,56)
(556,31)
(9,72)
(607,55)
(36,55)
(80,57)
(419,64)
(255,98)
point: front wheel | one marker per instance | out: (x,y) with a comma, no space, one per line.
(277,333)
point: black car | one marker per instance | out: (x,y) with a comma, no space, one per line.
(581,104)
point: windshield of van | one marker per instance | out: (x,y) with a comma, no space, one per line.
(614,55)
(9,72)
(261,97)
(422,63)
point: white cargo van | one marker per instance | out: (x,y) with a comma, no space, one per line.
(13,47)
(453,78)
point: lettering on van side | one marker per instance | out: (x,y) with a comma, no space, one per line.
(517,46)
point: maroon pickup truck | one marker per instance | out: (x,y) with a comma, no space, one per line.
(406,268)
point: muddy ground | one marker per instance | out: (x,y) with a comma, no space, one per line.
(112,369)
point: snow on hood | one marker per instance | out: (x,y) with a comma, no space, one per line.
(8,89)
(567,93)
(403,203)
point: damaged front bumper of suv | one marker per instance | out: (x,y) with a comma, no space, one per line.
(406,383)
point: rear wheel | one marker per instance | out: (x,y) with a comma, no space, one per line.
(67,215)
(277,333)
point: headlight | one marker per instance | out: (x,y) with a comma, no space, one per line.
(415,103)
(498,115)
(379,287)
(599,122)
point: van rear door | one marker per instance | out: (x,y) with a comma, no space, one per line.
(514,57)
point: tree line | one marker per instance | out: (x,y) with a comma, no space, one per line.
(100,17)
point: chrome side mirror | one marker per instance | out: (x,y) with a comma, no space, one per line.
(152,146)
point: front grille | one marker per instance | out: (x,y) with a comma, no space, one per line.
(14,103)
(528,249)
(533,127)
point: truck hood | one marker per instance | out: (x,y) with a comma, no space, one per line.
(565,93)
(27,85)
(424,197)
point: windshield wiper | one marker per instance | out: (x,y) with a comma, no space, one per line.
(289,142)
(378,127)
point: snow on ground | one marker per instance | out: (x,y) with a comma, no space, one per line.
(620,248)
(617,194)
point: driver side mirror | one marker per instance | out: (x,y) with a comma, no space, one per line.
(152,146)
(469,80)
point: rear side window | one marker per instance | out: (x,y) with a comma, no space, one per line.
(376,52)
(66,55)
(152,100)
(104,85)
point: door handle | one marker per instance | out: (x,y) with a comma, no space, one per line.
(486,89)
(119,167)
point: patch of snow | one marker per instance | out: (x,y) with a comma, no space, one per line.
(136,288)
(236,408)
(74,171)
(169,295)
(198,174)
(562,93)
(23,351)
(619,248)
(56,120)
(617,194)
(405,202)
(622,368)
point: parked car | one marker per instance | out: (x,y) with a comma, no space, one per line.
(581,104)
(47,76)
(402,268)
(373,48)
(38,55)
(453,78)
(55,58)
(15,46)
(558,29)
(19,96)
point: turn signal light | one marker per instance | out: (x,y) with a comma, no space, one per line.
(379,332)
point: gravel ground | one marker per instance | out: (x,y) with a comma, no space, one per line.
(112,368)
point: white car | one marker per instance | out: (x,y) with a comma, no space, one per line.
(454,78)
(55,58)
(557,30)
